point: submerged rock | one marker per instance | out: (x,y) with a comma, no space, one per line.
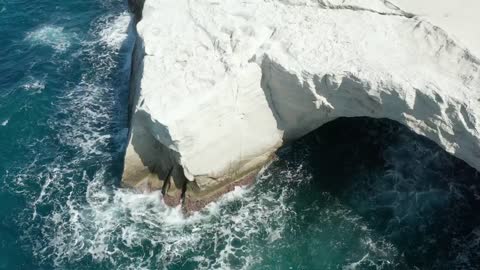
(219,86)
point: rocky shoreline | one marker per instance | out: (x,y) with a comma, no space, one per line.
(170,179)
(217,89)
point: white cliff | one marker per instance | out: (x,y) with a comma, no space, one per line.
(458,18)
(219,85)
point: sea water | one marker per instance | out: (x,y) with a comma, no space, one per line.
(355,194)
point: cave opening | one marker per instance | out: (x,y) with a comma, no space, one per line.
(404,186)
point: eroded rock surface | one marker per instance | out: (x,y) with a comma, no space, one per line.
(218,86)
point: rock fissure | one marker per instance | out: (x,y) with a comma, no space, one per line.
(357,8)
(329,5)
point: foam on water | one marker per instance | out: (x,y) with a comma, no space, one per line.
(137,231)
(87,107)
(92,105)
(114,223)
(243,230)
(115,30)
(77,217)
(52,36)
(88,121)
(34,85)
(3,6)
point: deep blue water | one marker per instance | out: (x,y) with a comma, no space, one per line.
(63,90)
(355,194)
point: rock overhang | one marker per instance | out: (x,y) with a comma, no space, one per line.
(224,84)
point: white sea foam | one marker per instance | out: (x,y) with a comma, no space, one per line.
(87,105)
(5,122)
(92,105)
(355,265)
(115,30)
(3,5)
(34,85)
(131,230)
(52,36)
(110,224)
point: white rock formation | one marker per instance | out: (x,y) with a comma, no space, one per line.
(219,85)
(458,18)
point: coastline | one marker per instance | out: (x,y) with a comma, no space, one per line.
(169,177)
(208,106)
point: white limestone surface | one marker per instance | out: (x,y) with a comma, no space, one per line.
(223,83)
(459,18)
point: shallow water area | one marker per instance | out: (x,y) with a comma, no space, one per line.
(355,194)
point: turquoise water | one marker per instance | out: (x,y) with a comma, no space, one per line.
(355,194)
